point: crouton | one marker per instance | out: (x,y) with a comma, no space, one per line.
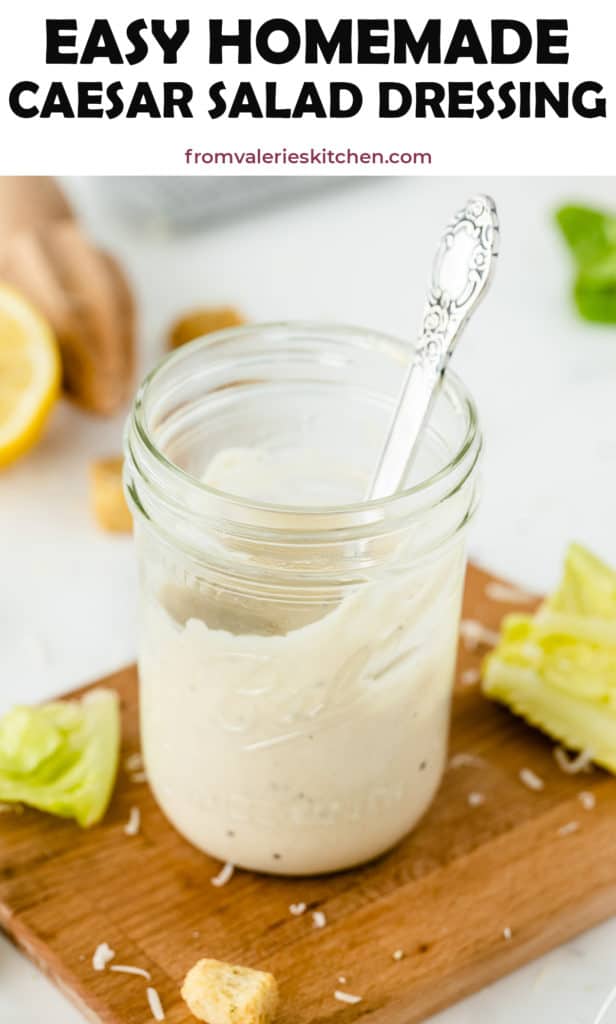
(221,993)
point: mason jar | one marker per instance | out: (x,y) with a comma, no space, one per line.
(298,642)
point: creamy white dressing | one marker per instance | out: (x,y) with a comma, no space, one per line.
(290,740)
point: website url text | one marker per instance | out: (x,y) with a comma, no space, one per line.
(313,156)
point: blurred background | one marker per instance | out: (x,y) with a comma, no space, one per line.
(347,251)
(351,251)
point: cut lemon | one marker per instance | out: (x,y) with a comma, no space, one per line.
(29,374)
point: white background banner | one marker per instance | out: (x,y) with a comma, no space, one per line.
(365,143)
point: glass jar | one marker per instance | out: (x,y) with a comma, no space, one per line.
(297,655)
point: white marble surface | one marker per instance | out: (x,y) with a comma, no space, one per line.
(545,384)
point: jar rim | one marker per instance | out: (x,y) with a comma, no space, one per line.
(469,446)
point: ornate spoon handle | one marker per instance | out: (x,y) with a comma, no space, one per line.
(461,272)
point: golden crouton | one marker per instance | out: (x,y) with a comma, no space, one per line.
(107,497)
(203,321)
(220,993)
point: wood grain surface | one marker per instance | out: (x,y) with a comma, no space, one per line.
(446,895)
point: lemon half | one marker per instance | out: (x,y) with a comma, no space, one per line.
(30,372)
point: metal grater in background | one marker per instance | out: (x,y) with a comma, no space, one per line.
(185,204)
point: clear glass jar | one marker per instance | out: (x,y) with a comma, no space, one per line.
(296,659)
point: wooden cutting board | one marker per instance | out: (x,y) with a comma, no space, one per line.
(447,896)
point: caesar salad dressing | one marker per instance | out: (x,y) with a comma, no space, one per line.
(298,739)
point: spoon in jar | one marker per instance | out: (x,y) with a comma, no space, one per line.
(462,269)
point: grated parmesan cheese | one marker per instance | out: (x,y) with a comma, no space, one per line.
(572,765)
(530,780)
(470,676)
(587,800)
(156,1007)
(319,919)
(103,954)
(129,969)
(475,634)
(465,761)
(398,954)
(569,828)
(507,933)
(505,592)
(476,799)
(347,997)
(297,909)
(134,822)
(224,875)
(342,980)
(134,763)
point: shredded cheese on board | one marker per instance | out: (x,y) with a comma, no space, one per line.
(475,799)
(156,1007)
(347,997)
(133,763)
(506,593)
(134,822)
(475,634)
(103,954)
(572,765)
(569,828)
(587,800)
(297,909)
(319,919)
(224,875)
(529,779)
(465,761)
(129,969)
(11,809)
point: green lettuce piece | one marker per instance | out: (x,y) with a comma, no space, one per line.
(557,668)
(62,757)
(587,587)
(575,722)
(591,236)
(595,290)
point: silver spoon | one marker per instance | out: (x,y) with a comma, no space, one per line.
(462,269)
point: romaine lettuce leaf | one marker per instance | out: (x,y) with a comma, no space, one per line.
(557,668)
(591,236)
(62,757)
(594,290)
